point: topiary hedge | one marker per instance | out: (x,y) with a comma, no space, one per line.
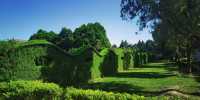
(37,60)
(109,64)
(140,58)
(128,61)
(120,56)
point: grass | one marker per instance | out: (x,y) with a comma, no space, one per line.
(150,79)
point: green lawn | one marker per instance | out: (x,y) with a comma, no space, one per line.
(150,79)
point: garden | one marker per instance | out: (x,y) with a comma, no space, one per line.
(83,64)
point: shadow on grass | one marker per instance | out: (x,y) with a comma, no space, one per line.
(143,75)
(157,65)
(112,86)
(168,66)
(123,87)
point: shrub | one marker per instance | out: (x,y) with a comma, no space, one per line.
(127,60)
(29,90)
(37,90)
(109,65)
(120,56)
(137,60)
(79,94)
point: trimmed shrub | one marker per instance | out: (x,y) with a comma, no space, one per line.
(109,64)
(127,60)
(79,94)
(136,60)
(37,90)
(140,58)
(29,90)
(37,59)
(120,56)
(82,65)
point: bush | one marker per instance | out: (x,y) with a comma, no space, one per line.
(29,90)
(140,58)
(37,90)
(137,60)
(109,65)
(79,94)
(127,60)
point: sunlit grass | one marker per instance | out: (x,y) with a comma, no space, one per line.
(151,78)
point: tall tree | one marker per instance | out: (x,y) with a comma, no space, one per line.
(172,19)
(92,34)
(124,44)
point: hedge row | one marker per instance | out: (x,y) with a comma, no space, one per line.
(140,58)
(130,58)
(37,90)
(39,59)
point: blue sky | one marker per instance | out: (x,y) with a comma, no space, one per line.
(21,18)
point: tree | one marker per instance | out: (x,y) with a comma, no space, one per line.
(44,35)
(150,45)
(147,11)
(92,34)
(114,46)
(166,17)
(124,44)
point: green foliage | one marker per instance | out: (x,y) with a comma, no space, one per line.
(98,59)
(43,35)
(91,34)
(37,60)
(109,64)
(127,61)
(120,53)
(65,39)
(79,94)
(124,44)
(37,90)
(137,60)
(29,90)
(141,58)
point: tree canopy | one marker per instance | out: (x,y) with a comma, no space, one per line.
(92,34)
(87,35)
(175,23)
